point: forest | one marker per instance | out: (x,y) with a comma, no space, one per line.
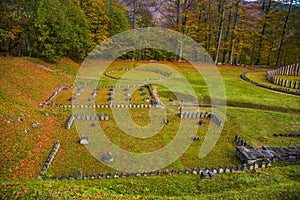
(262,32)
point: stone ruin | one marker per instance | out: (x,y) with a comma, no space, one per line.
(202,173)
(50,157)
(196,138)
(84,140)
(294,134)
(107,157)
(70,122)
(278,89)
(249,154)
(55,93)
(213,117)
(84,116)
(290,70)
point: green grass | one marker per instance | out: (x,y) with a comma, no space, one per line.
(135,75)
(270,183)
(23,148)
(242,92)
(254,113)
(290,78)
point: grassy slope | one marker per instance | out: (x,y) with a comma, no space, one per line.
(22,154)
(271,183)
(24,148)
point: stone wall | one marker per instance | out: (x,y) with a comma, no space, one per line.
(249,154)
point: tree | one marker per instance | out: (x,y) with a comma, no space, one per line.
(233,39)
(58,29)
(96,15)
(284,31)
(47,28)
(117,19)
(13,22)
(266,9)
(222,12)
(140,13)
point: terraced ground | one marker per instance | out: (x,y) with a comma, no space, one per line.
(254,113)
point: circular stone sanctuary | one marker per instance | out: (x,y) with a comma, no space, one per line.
(285,79)
(137,74)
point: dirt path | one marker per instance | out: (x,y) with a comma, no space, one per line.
(45,68)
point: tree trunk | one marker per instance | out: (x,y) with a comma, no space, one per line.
(177,12)
(269,54)
(220,33)
(252,54)
(226,37)
(27,43)
(236,16)
(257,62)
(283,33)
(209,26)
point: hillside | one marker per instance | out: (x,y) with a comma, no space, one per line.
(25,82)
(254,113)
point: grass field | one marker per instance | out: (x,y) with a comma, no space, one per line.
(271,183)
(252,112)
(135,75)
(290,78)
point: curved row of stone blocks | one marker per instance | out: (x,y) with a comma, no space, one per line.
(290,70)
(284,90)
(164,74)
